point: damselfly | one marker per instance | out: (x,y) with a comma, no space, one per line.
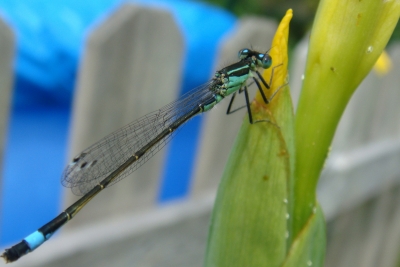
(122,152)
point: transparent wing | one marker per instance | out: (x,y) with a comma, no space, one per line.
(96,162)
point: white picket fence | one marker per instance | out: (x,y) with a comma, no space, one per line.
(359,189)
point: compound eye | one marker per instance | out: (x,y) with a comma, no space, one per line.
(266,62)
(244,53)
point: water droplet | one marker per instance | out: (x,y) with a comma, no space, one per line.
(309,263)
(287,216)
(314,210)
(370,49)
(287,235)
(302,77)
(285,201)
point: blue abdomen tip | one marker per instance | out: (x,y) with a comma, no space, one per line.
(34,240)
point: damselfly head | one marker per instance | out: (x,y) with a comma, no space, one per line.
(262,60)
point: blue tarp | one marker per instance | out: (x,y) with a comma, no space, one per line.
(50,37)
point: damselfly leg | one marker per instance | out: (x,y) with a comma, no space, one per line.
(244,89)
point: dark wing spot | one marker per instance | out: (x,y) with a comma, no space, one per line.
(76,159)
(83,165)
(94,162)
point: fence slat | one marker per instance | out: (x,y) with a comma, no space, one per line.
(7,45)
(124,75)
(368,235)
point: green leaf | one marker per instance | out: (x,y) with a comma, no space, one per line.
(249,226)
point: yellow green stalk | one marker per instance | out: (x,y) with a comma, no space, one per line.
(346,40)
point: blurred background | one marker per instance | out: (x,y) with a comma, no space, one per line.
(72,72)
